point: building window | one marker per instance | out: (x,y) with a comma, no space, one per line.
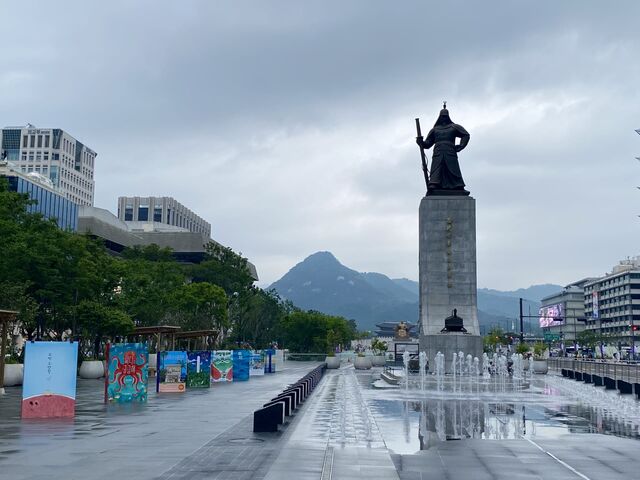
(39,141)
(143,214)
(32,141)
(128,214)
(24,156)
(157,214)
(31,157)
(25,141)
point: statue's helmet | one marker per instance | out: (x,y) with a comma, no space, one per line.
(443,119)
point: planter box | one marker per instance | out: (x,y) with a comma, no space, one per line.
(332,362)
(92,369)
(362,363)
(540,366)
(13,373)
(378,360)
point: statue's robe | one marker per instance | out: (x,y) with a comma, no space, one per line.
(445,171)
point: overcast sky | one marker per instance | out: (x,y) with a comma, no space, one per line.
(289,126)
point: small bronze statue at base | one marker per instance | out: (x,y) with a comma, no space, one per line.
(454,323)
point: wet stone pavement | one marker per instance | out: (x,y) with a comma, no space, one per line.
(546,427)
(164,438)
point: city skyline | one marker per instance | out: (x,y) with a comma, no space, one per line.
(291,131)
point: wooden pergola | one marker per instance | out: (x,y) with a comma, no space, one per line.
(207,337)
(157,331)
(6,316)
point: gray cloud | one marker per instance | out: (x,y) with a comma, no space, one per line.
(289,125)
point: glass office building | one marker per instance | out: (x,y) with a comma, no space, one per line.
(52,153)
(47,201)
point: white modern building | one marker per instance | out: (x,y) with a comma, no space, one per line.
(160,210)
(562,313)
(612,303)
(52,153)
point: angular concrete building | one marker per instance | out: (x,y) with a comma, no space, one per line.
(161,210)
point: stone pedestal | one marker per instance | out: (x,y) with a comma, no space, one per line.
(448,275)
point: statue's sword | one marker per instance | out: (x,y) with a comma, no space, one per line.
(423,156)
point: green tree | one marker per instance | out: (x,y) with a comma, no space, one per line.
(255,315)
(589,338)
(495,337)
(150,277)
(51,268)
(313,331)
(97,322)
(199,306)
(225,268)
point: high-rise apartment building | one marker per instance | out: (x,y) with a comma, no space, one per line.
(161,210)
(612,303)
(52,153)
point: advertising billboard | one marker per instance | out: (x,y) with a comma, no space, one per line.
(551,315)
(596,306)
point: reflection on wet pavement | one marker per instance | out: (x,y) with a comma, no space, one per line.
(546,407)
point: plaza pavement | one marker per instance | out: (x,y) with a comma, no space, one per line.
(207,434)
(336,437)
(200,434)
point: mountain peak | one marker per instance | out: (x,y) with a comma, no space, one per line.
(322,256)
(320,282)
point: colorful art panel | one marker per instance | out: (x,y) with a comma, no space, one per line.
(49,385)
(241,364)
(257,363)
(270,360)
(172,372)
(222,366)
(127,372)
(199,370)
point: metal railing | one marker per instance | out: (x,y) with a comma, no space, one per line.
(627,372)
(305,357)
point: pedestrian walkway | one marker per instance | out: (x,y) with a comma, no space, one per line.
(169,437)
(335,438)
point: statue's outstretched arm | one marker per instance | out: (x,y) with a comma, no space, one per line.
(464,137)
